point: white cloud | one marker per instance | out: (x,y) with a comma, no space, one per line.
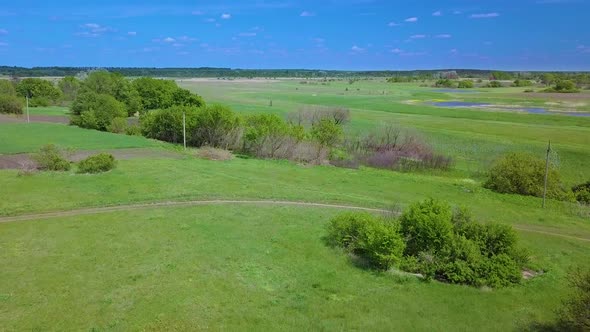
(132,33)
(357,49)
(583,48)
(210,20)
(437,13)
(169,40)
(396,51)
(306,14)
(186,38)
(183,53)
(197,12)
(3,44)
(411,19)
(319,40)
(454,51)
(178,45)
(418,37)
(3,32)
(444,36)
(485,15)
(393,24)
(247,34)
(94,30)
(225,16)
(457,12)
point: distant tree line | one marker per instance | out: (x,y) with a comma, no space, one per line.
(578,77)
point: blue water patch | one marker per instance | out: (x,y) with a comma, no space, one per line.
(454,91)
(530,110)
(460,104)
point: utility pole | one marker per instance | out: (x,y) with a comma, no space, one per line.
(546,173)
(184,128)
(28,119)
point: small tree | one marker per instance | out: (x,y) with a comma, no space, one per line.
(524,174)
(327,133)
(427,227)
(466,84)
(11,104)
(51,158)
(69,87)
(38,88)
(7,88)
(575,314)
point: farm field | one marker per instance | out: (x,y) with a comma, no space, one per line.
(227,244)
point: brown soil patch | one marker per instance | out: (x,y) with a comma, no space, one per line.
(5,118)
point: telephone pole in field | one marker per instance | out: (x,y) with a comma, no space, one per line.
(546,173)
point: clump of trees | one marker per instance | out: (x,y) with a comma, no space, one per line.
(465,84)
(522,83)
(431,240)
(40,92)
(563,86)
(11,104)
(103,98)
(524,174)
(494,84)
(575,313)
(445,83)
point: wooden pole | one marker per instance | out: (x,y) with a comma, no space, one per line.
(184,129)
(546,173)
(28,119)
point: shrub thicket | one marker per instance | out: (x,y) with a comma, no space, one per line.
(524,174)
(575,313)
(96,111)
(374,239)
(582,192)
(494,84)
(465,84)
(431,240)
(11,104)
(99,163)
(51,158)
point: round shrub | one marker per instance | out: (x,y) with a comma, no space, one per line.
(582,192)
(524,174)
(466,84)
(99,163)
(374,239)
(427,227)
(11,104)
(51,158)
(118,126)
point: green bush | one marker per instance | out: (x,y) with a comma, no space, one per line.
(7,88)
(51,158)
(133,130)
(427,227)
(374,239)
(99,163)
(524,174)
(494,84)
(575,314)
(38,88)
(582,192)
(39,102)
(466,84)
(445,83)
(449,247)
(166,125)
(118,126)
(522,83)
(11,104)
(212,125)
(96,111)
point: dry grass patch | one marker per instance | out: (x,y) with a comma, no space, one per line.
(210,153)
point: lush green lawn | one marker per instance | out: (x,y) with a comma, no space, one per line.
(51,110)
(239,268)
(23,137)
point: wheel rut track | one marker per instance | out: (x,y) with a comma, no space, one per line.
(164,204)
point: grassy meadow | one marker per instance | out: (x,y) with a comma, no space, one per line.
(263,267)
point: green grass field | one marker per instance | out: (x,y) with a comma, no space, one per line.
(23,137)
(51,111)
(224,267)
(263,267)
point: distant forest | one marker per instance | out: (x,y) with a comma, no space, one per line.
(267,73)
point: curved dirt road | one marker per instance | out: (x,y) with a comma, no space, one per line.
(139,206)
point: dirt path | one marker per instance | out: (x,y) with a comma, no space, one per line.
(5,118)
(139,206)
(16,161)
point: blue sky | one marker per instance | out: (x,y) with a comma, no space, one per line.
(329,34)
